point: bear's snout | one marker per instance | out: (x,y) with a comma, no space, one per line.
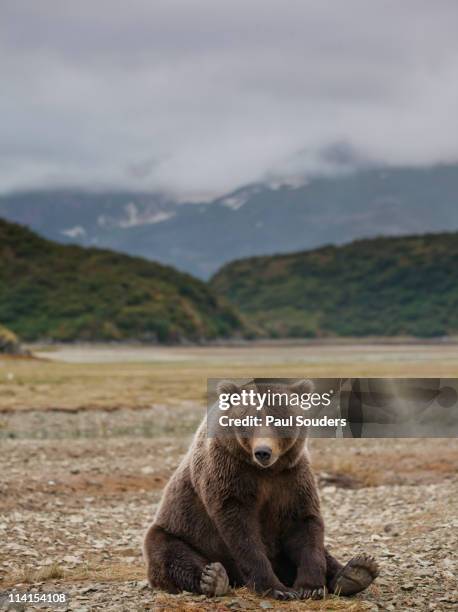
(263,454)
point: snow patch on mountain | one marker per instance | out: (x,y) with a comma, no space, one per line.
(237,199)
(234,202)
(134,215)
(74,232)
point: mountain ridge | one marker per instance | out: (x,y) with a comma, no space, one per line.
(258,219)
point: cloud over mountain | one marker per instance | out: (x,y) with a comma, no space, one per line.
(193,97)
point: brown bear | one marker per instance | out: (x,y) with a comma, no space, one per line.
(242,509)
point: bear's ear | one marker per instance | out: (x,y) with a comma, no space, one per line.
(226,386)
(302,386)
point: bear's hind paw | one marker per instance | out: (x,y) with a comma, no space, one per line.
(214,580)
(356,576)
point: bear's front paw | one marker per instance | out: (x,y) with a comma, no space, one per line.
(214,580)
(311,581)
(312,593)
(284,595)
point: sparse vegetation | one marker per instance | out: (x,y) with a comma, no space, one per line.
(9,342)
(28,575)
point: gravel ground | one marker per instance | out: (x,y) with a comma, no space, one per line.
(73,512)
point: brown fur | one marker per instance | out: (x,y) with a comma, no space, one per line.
(262,524)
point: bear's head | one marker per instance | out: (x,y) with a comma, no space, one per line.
(259,420)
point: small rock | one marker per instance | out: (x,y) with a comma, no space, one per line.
(391,530)
(407,586)
(142,585)
(238,604)
(71,559)
(375,537)
(449,598)
(147,470)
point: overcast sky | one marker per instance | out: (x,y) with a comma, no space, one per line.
(197,97)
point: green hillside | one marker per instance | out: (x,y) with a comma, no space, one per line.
(50,291)
(383,287)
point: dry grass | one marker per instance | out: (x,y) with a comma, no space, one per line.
(52,572)
(88,571)
(170,375)
(128,572)
(32,576)
(108,572)
(251,601)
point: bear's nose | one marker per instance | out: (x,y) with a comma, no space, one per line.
(263,454)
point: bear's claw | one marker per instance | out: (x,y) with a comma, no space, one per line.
(318,593)
(284,595)
(214,580)
(356,576)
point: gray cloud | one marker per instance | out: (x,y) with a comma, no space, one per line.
(196,97)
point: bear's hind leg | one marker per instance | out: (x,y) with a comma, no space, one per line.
(352,578)
(174,566)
